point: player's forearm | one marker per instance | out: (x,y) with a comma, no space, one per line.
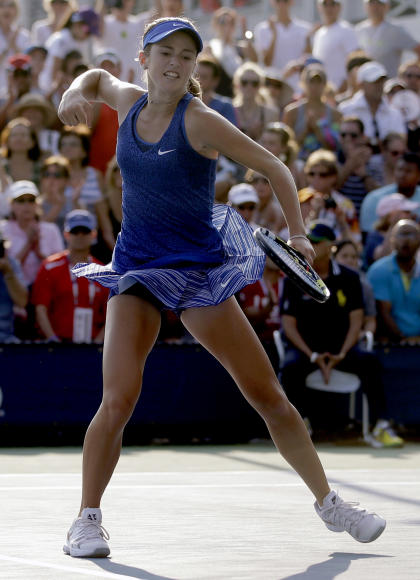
(87,84)
(284,188)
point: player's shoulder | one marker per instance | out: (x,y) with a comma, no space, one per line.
(56,261)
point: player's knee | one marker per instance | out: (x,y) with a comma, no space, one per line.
(118,410)
(272,401)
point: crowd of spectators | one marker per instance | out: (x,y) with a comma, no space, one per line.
(338,103)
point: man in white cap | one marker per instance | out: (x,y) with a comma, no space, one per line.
(333,42)
(382,40)
(369,105)
(244,198)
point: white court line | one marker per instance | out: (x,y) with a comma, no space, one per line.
(73,570)
(203,485)
(204,472)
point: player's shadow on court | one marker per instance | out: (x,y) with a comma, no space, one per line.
(330,569)
(123,570)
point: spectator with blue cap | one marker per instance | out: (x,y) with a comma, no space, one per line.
(70,309)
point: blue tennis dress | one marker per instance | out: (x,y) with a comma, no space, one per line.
(173,240)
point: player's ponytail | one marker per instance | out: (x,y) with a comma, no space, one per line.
(194,87)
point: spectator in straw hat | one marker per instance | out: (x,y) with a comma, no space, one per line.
(41,114)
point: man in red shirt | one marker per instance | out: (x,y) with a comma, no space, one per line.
(70,309)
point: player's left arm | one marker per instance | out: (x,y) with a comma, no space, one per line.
(209,133)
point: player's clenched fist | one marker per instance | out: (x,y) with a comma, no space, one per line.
(74,108)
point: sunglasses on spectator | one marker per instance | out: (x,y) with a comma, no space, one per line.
(396,153)
(412,75)
(319,174)
(247,206)
(80,230)
(260,180)
(345,134)
(56,174)
(22,199)
(245,82)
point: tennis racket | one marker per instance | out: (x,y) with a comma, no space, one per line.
(292,263)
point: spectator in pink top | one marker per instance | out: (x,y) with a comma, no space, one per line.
(31,240)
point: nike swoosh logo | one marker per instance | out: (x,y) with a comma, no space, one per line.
(177,24)
(224,284)
(165,152)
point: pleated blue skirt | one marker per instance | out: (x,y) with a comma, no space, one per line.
(181,289)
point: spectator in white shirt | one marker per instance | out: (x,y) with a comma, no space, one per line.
(333,42)
(369,105)
(383,40)
(280,40)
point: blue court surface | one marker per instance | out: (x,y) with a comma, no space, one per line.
(210,513)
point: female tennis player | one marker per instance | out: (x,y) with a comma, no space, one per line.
(175,251)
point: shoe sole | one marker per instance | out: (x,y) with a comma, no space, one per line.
(375,536)
(98,553)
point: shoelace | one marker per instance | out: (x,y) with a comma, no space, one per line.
(84,530)
(347,515)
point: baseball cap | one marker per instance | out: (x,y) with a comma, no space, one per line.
(37,101)
(110,55)
(34,47)
(167,27)
(371,72)
(395,202)
(79,218)
(242,193)
(319,231)
(22,187)
(313,71)
(394,83)
(19,61)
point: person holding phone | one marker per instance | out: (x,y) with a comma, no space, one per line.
(172,236)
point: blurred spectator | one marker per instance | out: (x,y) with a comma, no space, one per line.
(314,122)
(31,239)
(85,189)
(38,56)
(57,12)
(21,155)
(333,42)
(406,180)
(226,176)
(279,92)
(281,41)
(5,181)
(122,32)
(370,106)
(104,127)
(65,76)
(41,114)
(354,61)
(113,194)
(55,174)
(392,148)
(261,305)
(356,178)
(70,309)
(208,73)
(19,83)
(13,38)
(279,139)
(330,206)
(268,212)
(396,284)
(251,111)
(382,40)
(224,49)
(244,199)
(390,209)
(346,252)
(78,33)
(13,292)
(325,336)
(409,72)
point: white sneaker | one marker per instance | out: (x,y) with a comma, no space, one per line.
(86,537)
(340,516)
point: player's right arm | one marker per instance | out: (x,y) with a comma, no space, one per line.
(96,85)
